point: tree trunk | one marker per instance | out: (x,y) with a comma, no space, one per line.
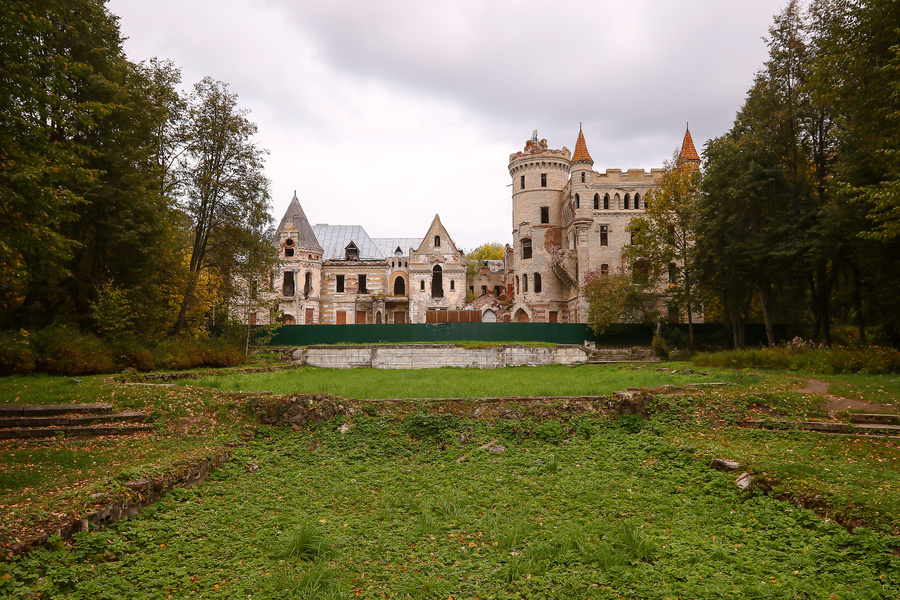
(765,298)
(857,306)
(181,323)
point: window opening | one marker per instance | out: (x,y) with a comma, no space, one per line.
(526,248)
(543,180)
(524,283)
(673,273)
(437,241)
(522,182)
(604,235)
(288,252)
(362,285)
(287,287)
(537,283)
(307,284)
(422,285)
(582,177)
(605,201)
(483,290)
(577,201)
(545,214)
(351,252)
(604,269)
(637,200)
(596,201)
(627,201)
(437,282)
(452,285)
(399,287)
(339,284)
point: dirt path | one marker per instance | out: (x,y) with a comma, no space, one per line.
(835,404)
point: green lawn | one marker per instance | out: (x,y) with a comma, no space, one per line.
(405,509)
(555,380)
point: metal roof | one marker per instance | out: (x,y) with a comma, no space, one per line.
(389,245)
(334,239)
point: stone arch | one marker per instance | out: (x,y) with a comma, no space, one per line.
(596,201)
(488,316)
(617,201)
(637,200)
(521,316)
(378,318)
(577,201)
(437,282)
(606,201)
(627,201)
(399,286)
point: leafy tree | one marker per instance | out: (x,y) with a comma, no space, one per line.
(663,238)
(488,251)
(223,191)
(617,298)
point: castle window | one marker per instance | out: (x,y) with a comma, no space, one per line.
(452,285)
(604,269)
(673,273)
(497,290)
(537,283)
(339,284)
(307,284)
(627,201)
(596,201)
(483,290)
(545,214)
(362,285)
(288,252)
(437,282)
(526,248)
(399,287)
(422,285)
(287,288)
(522,182)
(637,200)
(437,241)
(577,201)
(524,283)
(605,201)
(543,180)
(604,235)
(617,202)
(582,177)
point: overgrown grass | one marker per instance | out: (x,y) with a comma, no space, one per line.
(635,515)
(448,382)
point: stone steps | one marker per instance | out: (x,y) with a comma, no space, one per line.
(617,355)
(880,418)
(827,426)
(51,420)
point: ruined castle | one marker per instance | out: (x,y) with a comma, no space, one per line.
(567,219)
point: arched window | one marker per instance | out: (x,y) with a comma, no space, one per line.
(617,202)
(437,241)
(627,201)
(537,283)
(399,287)
(524,283)
(307,284)
(596,201)
(577,201)
(437,282)
(452,285)
(637,200)
(526,248)
(605,201)
(582,176)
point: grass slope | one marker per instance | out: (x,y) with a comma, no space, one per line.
(384,511)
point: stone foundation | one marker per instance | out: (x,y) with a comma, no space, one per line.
(432,356)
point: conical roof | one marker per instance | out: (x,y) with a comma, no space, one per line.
(688,151)
(294,218)
(581,151)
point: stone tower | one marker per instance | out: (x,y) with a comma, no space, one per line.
(301,270)
(539,175)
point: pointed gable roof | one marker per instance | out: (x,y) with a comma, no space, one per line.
(581,151)
(437,229)
(688,151)
(294,218)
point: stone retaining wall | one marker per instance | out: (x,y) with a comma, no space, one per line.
(429,356)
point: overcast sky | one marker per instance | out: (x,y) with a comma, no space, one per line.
(382,114)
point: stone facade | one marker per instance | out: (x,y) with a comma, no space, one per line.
(433,356)
(567,220)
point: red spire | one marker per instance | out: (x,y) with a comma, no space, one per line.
(581,151)
(688,151)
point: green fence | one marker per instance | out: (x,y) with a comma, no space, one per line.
(711,334)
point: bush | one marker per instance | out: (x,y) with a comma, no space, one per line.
(799,356)
(187,353)
(16,353)
(64,350)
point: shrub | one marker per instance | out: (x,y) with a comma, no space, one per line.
(181,353)
(800,356)
(16,353)
(64,350)
(307,543)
